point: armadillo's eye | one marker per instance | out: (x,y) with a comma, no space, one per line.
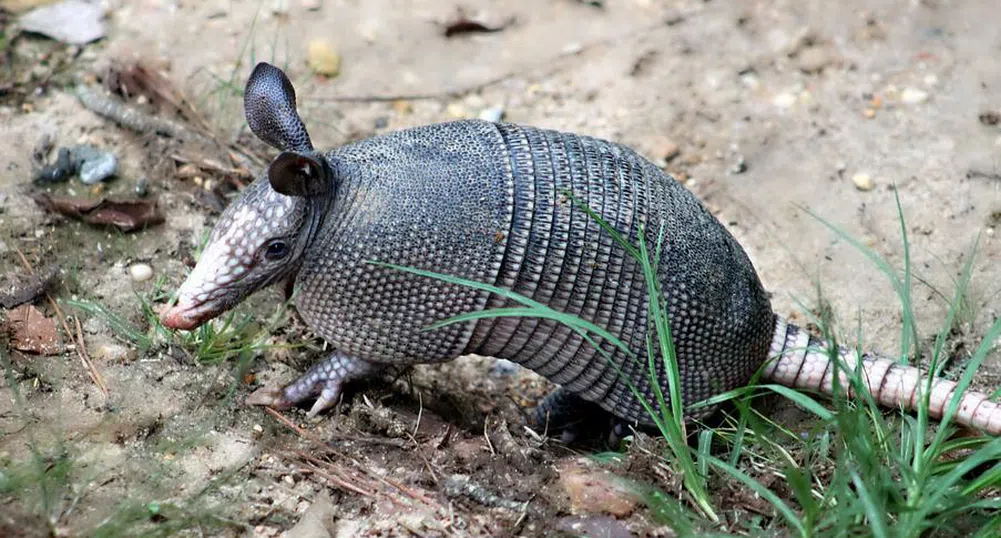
(276,250)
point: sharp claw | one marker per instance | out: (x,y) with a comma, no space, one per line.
(326,377)
(270,397)
(327,399)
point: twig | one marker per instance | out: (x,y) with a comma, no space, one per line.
(420,413)
(291,425)
(521,518)
(403,523)
(315,461)
(344,484)
(413,494)
(486,436)
(427,464)
(211,165)
(398,443)
(81,347)
(994,176)
(87,362)
(128,116)
(134,119)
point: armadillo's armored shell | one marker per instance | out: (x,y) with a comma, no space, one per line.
(485,201)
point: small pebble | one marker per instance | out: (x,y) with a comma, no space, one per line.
(813,59)
(323,58)
(141,272)
(258,428)
(93,165)
(142,187)
(280,7)
(456,110)
(492,114)
(288,480)
(750,81)
(312,5)
(402,106)
(572,48)
(97,170)
(784,100)
(58,172)
(913,96)
(863,182)
(368,31)
(596,491)
(931,80)
(504,367)
(868,113)
(660,149)
(740,166)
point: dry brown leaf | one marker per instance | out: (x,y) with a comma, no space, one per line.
(30,331)
(126,215)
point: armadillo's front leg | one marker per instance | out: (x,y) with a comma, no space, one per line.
(326,378)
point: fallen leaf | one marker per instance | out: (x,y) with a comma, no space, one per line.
(73,22)
(20,288)
(126,215)
(463,25)
(30,331)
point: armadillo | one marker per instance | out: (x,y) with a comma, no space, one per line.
(488,202)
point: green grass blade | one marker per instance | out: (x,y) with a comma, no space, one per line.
(801,399)
(120,327)
(780,506)
(875,514)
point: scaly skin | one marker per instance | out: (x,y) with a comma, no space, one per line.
(804,362)
(325,379)
(488,202)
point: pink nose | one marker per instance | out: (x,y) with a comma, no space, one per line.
(180,316)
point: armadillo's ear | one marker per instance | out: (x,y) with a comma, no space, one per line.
(295,174)
(269,103)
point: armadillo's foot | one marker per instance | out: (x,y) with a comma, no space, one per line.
(576,420)
(326,378)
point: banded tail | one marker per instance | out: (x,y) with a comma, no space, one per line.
(802,361)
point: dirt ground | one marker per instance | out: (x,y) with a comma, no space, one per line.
(766,110)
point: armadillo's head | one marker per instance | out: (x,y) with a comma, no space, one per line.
(261,236)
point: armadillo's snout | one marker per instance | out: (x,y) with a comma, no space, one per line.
(184,316)
(210,289)
(187,314)
(195,305)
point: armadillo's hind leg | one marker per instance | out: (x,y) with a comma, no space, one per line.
(576,420)
(326,378)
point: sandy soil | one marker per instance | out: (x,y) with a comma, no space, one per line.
(775,108)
